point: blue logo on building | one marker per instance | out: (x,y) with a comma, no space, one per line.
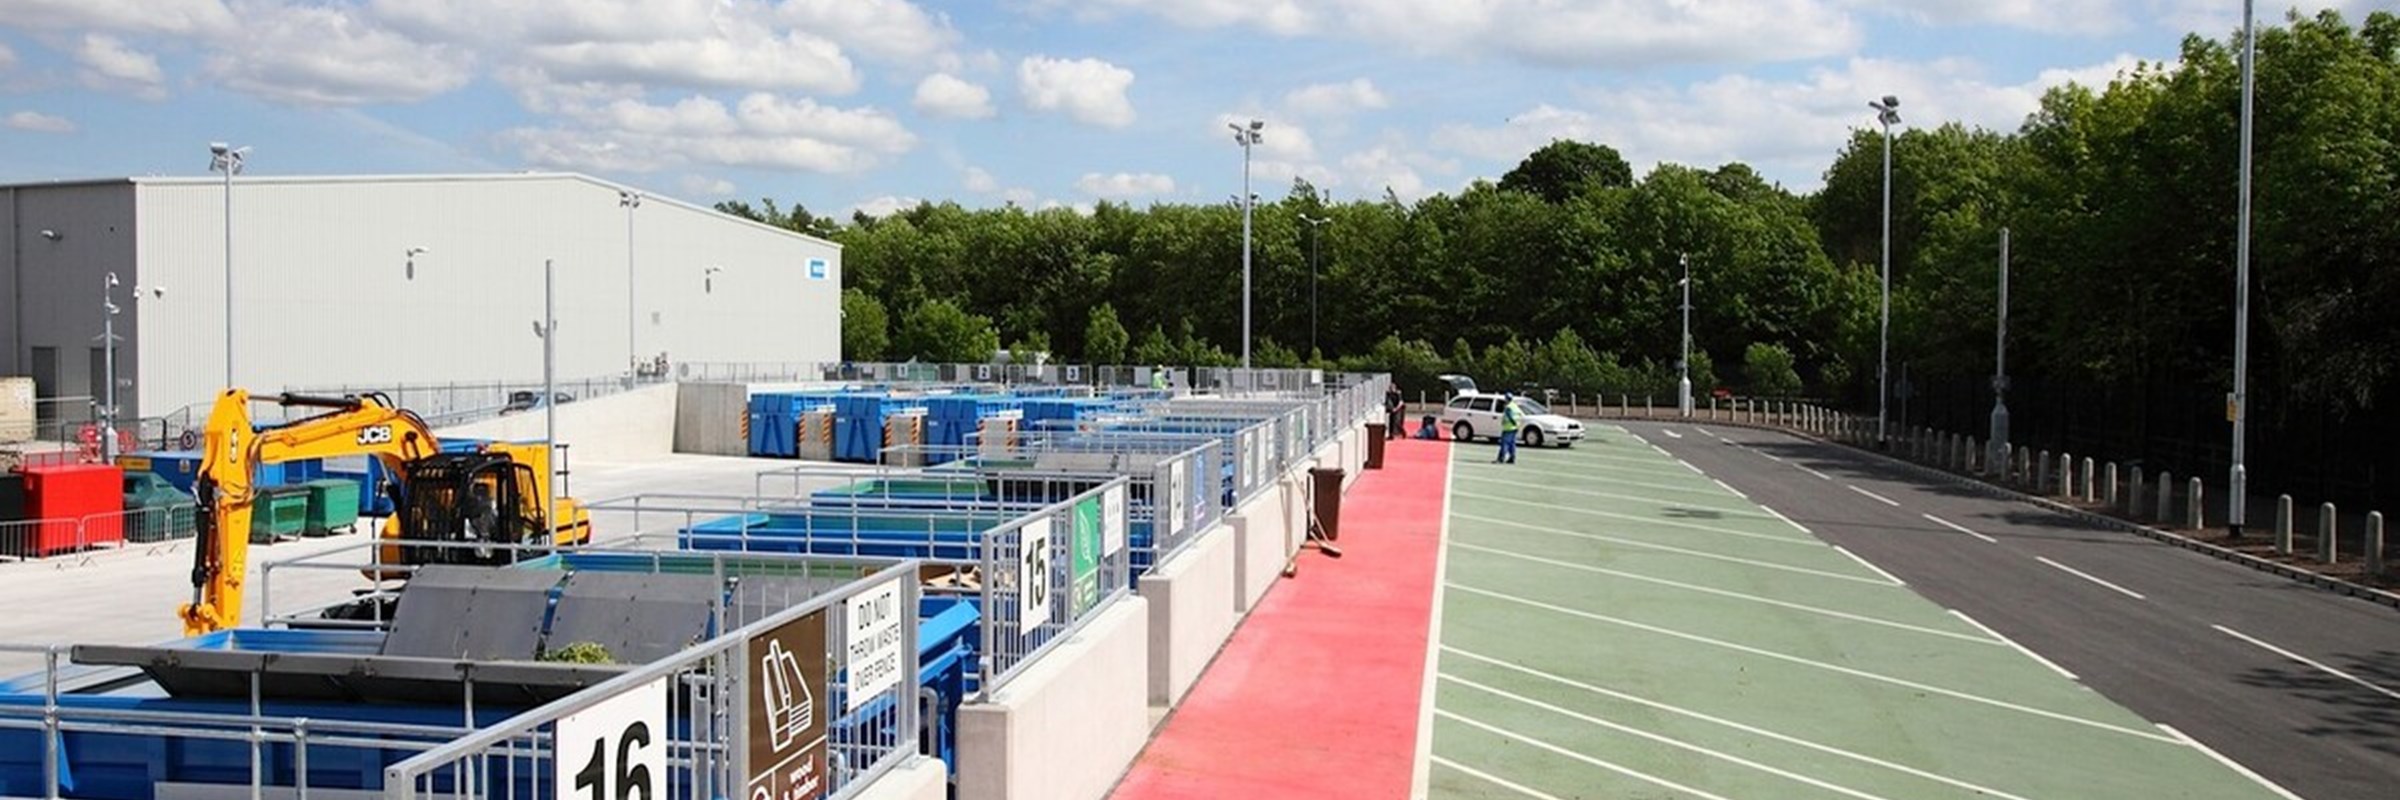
(816,269)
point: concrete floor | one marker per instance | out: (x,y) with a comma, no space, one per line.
(129,596)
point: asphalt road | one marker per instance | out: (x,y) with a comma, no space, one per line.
(2210,648)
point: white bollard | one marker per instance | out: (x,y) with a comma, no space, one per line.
(2090,486)
(2041,472)
(2109,485)
(2066,475)
(2374,549)
(2134,487)
(2193,511)
(2166,498)
(2283,525)
(2328,550)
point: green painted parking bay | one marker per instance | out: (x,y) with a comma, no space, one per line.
(1615,624)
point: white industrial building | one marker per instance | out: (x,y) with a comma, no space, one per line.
(391,280)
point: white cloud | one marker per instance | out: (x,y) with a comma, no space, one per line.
(763,130)
(38,122)
(1087,89)
(2088,17)
(979,181)
(307,55)
(1279,140)
(177,17)
(1336,99)
(108,63)
(1122,185)
(1783,128)
(705,186)
(8,58)
(762,61)
(884,206)
(1018,197)
(891,31)
(1604,33)
(944,95)
(1384,168)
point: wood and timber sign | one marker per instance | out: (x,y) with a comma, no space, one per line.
(784,693)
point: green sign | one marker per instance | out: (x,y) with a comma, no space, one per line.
(1085,542)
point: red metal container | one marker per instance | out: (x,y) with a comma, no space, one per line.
(82,505)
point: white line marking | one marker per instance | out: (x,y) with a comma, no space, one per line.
(1676,550)
(1661,450)
(1695,470)
(1711,434)
(1645,520)
(1492,779)
(1879,498)
(1769,456)
(1668,741)
(1956,527)
(1856,673)
(2306,660)
(1663,487)
(1813,472)
(1421,771)
(1871,567)
(2012,643)
(1729,488)
(1749,729)
(1597,459)
(1786,520)
(2220,758)
(1670,432)
(1612,496)
(1625,771)
(1728,593)
(2088,576)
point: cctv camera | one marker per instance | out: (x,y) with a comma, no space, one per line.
(158,292)
(1890,101)
(218,148)
(112,279)
(1257,125)
(51,234)
(418,251)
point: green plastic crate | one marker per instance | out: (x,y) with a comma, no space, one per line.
(280,512)
(332,505)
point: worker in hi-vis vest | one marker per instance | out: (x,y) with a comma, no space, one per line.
(1510,421)
(1158,378)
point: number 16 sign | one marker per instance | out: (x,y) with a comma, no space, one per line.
(616,749)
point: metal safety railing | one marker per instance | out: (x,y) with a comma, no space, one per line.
(1047,575)
(766,709)
(30,539)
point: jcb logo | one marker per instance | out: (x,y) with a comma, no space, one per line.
(374,435)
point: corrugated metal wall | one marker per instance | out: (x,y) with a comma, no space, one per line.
(55,284)
(323,293)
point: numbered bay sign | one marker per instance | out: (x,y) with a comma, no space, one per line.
(616,749)
(785,724)
(1084,546)
(1033,575)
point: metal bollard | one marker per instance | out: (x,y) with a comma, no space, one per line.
(2328,551)
(2090,486)
(2374,547)
(2193,510)
(2283,525)
(2110,485)
(2166,497)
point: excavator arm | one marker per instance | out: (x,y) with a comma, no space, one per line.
(225,486)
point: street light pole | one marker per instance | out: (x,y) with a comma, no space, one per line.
(629,200)
(1683,367)
(108,349)
(1999,439)
(2238,405)
(1313,237)
(228,159)
(1887,112)
(1246,137)
(548,330)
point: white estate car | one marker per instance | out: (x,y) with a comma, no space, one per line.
(1472,415)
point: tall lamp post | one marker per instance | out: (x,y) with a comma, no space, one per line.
(1998,449)
(1683,366)
(108,358)
(1313,235)
(547,329)
(228,159)
(1247,137)
(2237,406)
(1887,111)
(629,200)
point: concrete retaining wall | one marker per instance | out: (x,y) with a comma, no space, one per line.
(627,426)
(1069,726)
(708,419)
(918,779)
(1192,612)
(1260,530)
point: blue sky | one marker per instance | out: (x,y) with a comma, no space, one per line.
(845,104)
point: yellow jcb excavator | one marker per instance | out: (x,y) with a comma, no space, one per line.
(498,494)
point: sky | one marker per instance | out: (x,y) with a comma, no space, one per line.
(848,105)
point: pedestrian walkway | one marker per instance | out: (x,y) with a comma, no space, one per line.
(1319,694)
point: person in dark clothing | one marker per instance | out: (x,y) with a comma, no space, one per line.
(1395,412)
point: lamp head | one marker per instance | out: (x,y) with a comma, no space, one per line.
(413,252)
(52,235)
(1257,125)
(219,148)
(112,279)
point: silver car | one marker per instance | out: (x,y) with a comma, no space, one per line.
(1473,415)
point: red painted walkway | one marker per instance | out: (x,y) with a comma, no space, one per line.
(1318,694)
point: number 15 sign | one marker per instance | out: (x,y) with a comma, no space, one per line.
(616,749)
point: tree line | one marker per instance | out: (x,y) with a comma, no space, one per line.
(2119,200)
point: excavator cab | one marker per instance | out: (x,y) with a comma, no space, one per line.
(470,502)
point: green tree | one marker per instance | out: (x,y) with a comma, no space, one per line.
(1769,368)
(1104,339)
(937,330)
(1154,348)
(1565,167)
(866,329)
